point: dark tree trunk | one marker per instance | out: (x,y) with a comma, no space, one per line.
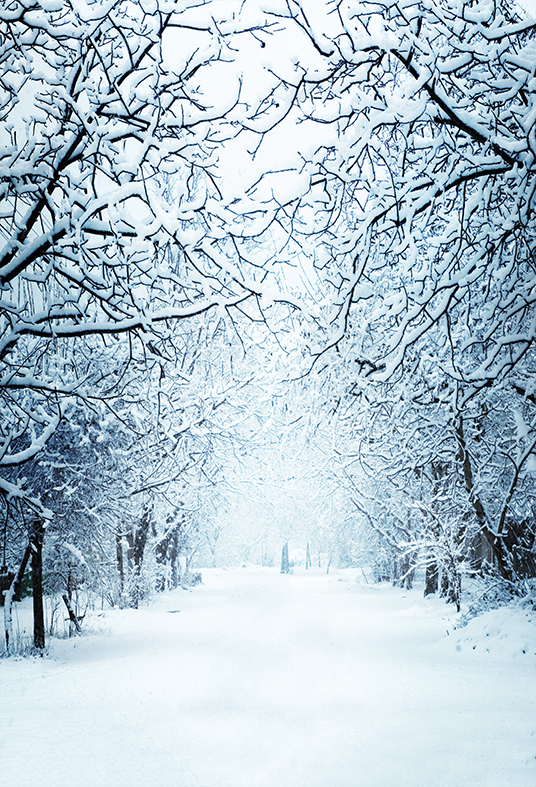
(6,581)
(13,582)
(495,543)
(444,590)
(138,541)
(451,586)
(17,590)
(120,564)
(455,590)
(36,541)
(431,579)
(13,594)
(173,558)
(407,573)
(161,553)
(167,553)
(308,563)
(285,567)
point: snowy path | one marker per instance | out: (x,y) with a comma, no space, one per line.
(262,680)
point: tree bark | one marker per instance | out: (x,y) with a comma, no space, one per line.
(138,541)
(36,541)
(120,565)
(8,620)
(431,579)
(173,557)
(17,588)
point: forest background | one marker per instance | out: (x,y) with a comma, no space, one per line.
(268,277)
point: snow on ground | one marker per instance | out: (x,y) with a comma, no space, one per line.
(260,680)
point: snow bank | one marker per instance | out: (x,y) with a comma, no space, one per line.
(507,632)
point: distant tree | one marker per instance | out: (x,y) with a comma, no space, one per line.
(285,565)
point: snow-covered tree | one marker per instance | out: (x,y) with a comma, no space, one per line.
(418,196)
(108,209)
(109,213)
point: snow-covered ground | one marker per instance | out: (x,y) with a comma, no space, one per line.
(260,680)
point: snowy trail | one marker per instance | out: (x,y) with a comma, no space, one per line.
(263,680)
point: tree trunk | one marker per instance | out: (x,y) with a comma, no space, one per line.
(285,567)
(495,543)
(407,573)
(13,594)
(161,555)
(410,576)
(8,619)
(120,564)
(395,570)
(36,540)
(17,588)
(308,563)
(455,596)
(431,579)
(173,558)
(72,617)
(166,553)
(137,551)
(451,585)
(444,589)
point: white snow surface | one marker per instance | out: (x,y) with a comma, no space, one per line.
(255,679)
